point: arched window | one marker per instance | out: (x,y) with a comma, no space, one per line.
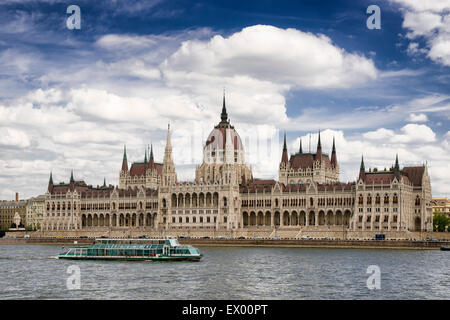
(377,199)
(395,198)
(360,199)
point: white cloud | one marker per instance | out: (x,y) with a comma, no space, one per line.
(414,133)
(379,134)
(13,138)
(119,41)
(284,56)
(429,20)
(421,117)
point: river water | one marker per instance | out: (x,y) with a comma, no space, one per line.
(32,272)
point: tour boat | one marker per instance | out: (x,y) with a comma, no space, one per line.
(167,249)
(445,248)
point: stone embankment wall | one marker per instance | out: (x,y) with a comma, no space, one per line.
(255,237)
(298,243)
(258,233)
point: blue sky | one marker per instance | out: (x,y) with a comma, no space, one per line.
(70,99)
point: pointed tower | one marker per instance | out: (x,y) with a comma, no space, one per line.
(319,150)
(72,182)
(145,158)
(169,176)
(224,115)
(124,175)
(333,155)
(124,161)
(284,157)
(362,170)
(151,164)
(104,182)
(50,183)
(300,150)
(397,168)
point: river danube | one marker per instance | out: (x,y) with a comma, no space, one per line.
(32,272)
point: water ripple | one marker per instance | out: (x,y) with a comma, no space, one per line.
(31,272)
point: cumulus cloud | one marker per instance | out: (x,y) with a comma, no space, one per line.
(429,20)
(413,133)
(379,134)
(13,138)
(284,56)
(421,117)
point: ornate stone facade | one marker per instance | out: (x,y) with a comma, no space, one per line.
(226,197)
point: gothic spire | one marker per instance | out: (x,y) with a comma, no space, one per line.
(104,182)
(224,115)
(124,161)
(319,150)
(397,168)
(284,157)
(319,144)
(71,177)
(362,170)
(169,174)
(300,151)
(145,159)
(50,183)
(333,155)
(152,161)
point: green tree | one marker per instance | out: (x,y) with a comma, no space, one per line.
(440,221)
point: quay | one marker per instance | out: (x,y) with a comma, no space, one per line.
(280,243)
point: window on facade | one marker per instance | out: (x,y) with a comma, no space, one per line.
(395,198)
(377,199)
(417,201)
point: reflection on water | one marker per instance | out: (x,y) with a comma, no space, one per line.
(32,272)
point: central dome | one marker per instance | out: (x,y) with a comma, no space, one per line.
(224,144)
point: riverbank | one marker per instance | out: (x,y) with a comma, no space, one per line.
(270,243)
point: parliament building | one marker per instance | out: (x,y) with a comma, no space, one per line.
(225,198)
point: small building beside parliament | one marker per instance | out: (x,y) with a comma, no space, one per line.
(225,196)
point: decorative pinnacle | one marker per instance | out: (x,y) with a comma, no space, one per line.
(224,115)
